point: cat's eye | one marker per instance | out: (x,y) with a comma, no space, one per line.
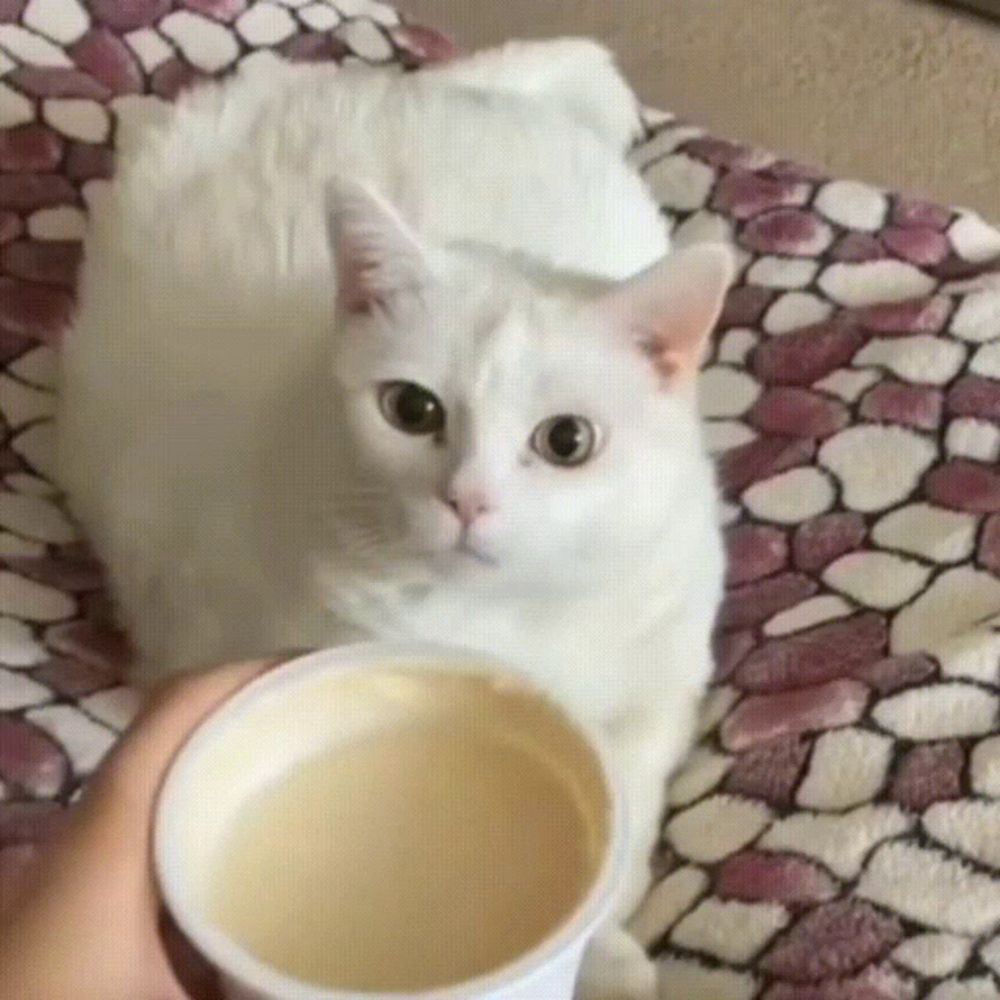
(411,408)
(565,440)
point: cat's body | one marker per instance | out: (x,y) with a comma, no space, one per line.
(225,433)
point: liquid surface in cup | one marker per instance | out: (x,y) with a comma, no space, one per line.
(411,858)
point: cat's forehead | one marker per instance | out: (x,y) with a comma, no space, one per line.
(500,348)
(513,332)
(526,345)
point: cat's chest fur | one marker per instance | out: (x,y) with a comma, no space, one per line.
(570,648)
(596,651)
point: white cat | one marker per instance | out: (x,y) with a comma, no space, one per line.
(365,354)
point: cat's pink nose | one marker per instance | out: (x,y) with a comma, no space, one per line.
(468,505)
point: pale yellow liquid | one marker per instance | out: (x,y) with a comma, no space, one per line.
(410,859)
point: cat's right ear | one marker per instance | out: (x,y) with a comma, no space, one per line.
(671,308)
(376,255)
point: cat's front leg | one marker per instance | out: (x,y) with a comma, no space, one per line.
(616,967)
(645,748)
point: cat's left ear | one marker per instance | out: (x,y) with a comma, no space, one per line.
(376,255)
(671,308)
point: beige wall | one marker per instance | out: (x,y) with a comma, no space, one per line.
(900,92)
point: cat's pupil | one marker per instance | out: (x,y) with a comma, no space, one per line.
(565,437)
(411,408)
(565,440)
(415,406)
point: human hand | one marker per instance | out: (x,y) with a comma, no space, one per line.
(88,924)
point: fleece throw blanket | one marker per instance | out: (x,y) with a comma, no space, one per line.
(836,834)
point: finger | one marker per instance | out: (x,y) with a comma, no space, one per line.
(96,878)
(96,905)
(193,974)
(130,778)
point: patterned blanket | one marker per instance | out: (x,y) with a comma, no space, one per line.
(836,835)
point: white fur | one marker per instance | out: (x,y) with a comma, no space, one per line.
(219,435)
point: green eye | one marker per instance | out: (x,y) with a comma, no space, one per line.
(411,408)
(565,440)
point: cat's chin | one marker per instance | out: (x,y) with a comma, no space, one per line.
(466,557)
(468,549)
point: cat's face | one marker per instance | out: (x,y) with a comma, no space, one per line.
(509,431)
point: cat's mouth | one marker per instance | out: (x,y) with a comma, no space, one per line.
(466,548)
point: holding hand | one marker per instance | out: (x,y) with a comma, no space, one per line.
(87,923)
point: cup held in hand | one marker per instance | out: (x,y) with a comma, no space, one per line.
(383,821)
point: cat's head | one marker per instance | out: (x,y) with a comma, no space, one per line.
(512,424)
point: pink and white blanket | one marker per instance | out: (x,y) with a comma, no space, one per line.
(836,834)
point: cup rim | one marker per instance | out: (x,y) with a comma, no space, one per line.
(239,964)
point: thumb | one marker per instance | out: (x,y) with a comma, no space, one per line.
(130,777)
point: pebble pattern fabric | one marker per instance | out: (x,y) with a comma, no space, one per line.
(836,834)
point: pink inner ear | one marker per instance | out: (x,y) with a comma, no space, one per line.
(671,308)
(355,287)
(363,274)
(670,364)
(375,254)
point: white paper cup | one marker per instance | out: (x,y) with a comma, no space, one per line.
(302,709)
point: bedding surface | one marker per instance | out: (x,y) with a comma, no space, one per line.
(836,834)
